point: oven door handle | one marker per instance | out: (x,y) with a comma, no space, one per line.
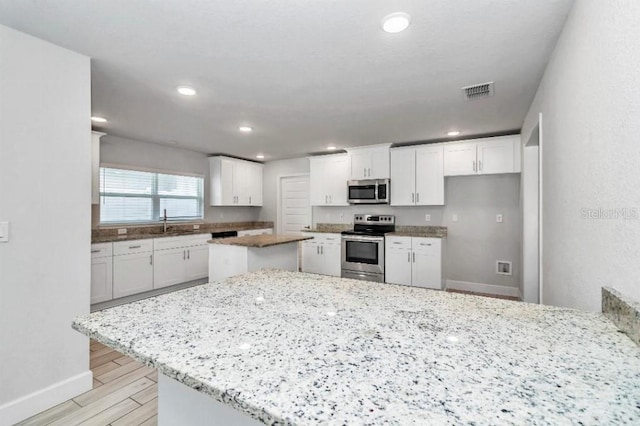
(362,238)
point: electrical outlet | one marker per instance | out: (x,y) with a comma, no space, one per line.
(122,231)
(341,216)
(503,267)
(454,218)
(427,217)
(499,218)
(196,226)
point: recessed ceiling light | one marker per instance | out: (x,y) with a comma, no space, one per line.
(396,22)
(259,156)
(245,129)
(453,133)
(98,119)
(331,148)
(186,90)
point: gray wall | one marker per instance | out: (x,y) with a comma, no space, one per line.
(475,242)
(590,153)
(117,150)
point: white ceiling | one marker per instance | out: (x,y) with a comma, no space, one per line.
(303,74)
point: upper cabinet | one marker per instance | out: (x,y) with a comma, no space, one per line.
(482,156)
(328,175)
(370,162)
(95,167)
(417,177)
(235,182)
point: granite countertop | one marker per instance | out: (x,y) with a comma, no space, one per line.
(301,349)
(330,228)
(260,241)
(419,231)
(109,235)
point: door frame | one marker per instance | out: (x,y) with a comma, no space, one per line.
(279,199)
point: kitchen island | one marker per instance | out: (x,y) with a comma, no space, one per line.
(238,255)
(300,349)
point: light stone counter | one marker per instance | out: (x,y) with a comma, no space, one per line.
(290,348)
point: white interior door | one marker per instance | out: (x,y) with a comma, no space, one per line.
(294,210)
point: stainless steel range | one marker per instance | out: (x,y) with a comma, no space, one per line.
(363,248)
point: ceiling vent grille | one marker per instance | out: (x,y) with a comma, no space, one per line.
(478,91)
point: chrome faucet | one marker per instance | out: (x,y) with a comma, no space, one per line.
(164,220)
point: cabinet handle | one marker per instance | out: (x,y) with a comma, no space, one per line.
(184,254)
(413,197)
(95,251)
(249,200)
(409,256)
(330,199)
(425,244)
(318,250)
(417,197)
(188,254)
(326,199)
(396,242)
(321,249)
(414,257)
(479,165)
(369,172)
(365,172)
(151,260)
(474,165)
(132,247)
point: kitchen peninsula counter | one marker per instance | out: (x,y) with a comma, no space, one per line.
(300,349)
(261,241)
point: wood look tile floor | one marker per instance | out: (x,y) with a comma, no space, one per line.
(125,392)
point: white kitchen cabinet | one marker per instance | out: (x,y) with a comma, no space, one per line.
(482,156)
(417,177)
(235,182)
(414,261)
(95,166)
(264,231)
(322,255)
(369,162)
(180,259)
(328,176)
(132,273)
(101,272)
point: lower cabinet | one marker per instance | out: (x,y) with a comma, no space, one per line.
(197,262)
(132,273)
(322,255)
(414,261)
(101,279)
(180,259)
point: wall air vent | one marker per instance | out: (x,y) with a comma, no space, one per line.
(478,91)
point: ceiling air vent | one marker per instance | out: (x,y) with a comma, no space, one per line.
(478,91)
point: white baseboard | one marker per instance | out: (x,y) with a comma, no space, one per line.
(499,290)
(43,399)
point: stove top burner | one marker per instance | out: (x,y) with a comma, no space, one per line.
(372,225)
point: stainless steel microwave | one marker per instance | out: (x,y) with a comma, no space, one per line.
(369,191)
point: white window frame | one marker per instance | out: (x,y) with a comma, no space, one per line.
(154,197)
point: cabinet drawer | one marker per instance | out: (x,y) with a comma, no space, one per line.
(170,243)
(133,246)
(101,250)
(199,240)
(331,239)
(392,243)
(427,244)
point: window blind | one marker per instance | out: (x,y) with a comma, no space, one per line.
(139,196)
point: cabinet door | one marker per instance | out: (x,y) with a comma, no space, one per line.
(255,184)
(379,163)
(496,156)
(317,182)
(169,267)
(197,263)
(360,163)
(427,264)
(241,185)
(403,177)
(429,176)
(397,266)
(132,273)
(337,176)
(332,254)
(101,279)
(227,171)
(311,258)
(460,159)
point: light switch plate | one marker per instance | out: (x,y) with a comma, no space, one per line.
(4,232)
(499,218)
(454,218)
(122,231)
(196,226)
(427,217)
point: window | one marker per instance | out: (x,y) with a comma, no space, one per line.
(139,196)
